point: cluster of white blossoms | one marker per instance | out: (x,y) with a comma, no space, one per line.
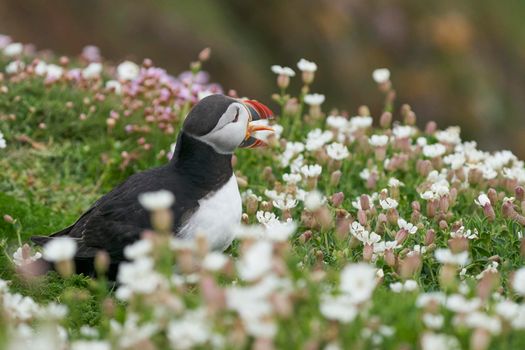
(347,220)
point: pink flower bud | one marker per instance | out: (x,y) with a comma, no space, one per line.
(458,244)
(431,127)
(424,167)
(508,210)
(368,252)
(415,216)
(430,237)
(337,199)
(385,120)
(475,176)
(9,219)
(443,204)
(493,196)
(305,236)
(416,206)
(480,339)
(519,193)
(371,182)
(401,236)
(489,212)
(452,196)
(390,257)
(364,200)
(335,177)
(381,222)
(361,216)
(392,216)
(432,207)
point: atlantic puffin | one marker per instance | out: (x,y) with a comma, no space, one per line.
(200,176)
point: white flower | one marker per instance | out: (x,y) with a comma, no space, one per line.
(388,203)
(41,68)
(292,178)
(265,217)
(358,281)
(396,287)
(407,286)
(393,182)
(131,333)
(3,144)
(139,249)
(422,141)
(403,131)
(361,122)
(23,256)
(285,203)
(214,261)
(60,249)
(128,70)
(482,200)
(507,309)
(15,67)
(19,307)
(482,320)
(306,66)
(283,70)
(423,300)
(378,140)
(404,225)
(13,49)
(278,231)
(458,303)
(460,232)
(137,276)
(518,322)
(339,308)
(313,200)
(189,331)
(381,75)
(450,135)
(433,321)
(256,261)
(162,199)
(433,341)
(337,151)
(455,160)
(54,71)
(311,170)
(435,150)
(445,256)
(518,282)
(92,71)
(337,122)
(428,195)
(90,345)
(314,99)
(115,86)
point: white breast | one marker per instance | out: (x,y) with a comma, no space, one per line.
(216,217)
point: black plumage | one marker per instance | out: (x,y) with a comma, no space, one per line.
(117,219)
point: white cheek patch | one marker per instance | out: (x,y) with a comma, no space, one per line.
(227,135)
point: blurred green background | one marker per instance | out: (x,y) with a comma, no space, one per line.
(456,62)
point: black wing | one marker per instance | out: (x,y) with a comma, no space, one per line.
(117,219)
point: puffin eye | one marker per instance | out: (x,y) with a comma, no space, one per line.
(236,116)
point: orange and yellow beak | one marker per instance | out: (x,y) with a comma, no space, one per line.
(257,112)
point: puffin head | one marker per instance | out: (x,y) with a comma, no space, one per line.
(226,123)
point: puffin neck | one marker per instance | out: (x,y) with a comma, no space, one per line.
(200,163)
